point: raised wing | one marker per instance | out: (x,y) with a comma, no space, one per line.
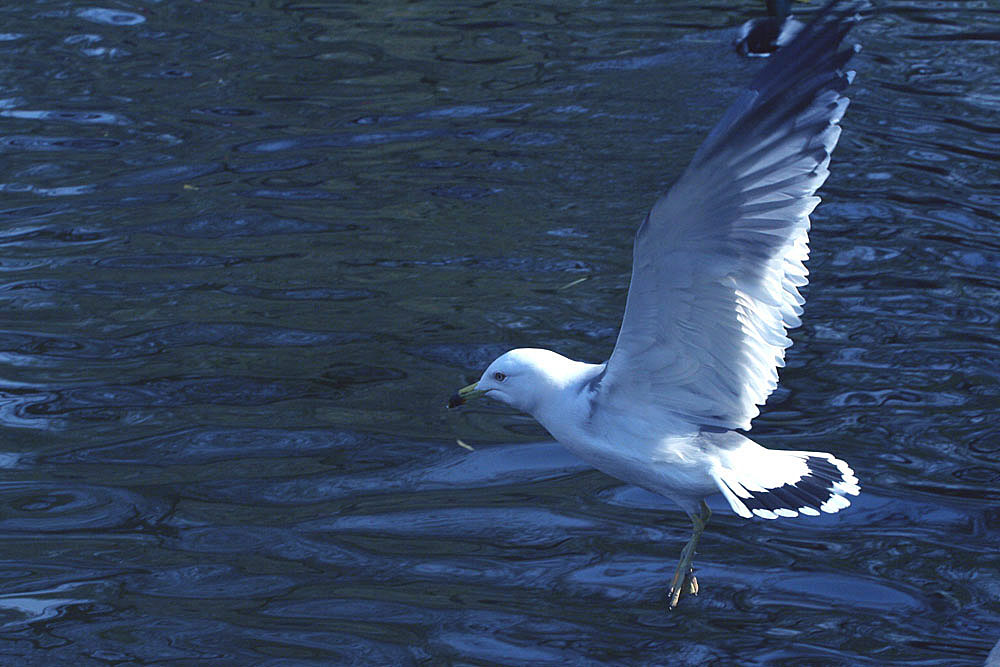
(718,261)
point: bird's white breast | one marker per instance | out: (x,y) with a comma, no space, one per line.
(656,454)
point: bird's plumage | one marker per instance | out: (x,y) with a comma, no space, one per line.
(717,267)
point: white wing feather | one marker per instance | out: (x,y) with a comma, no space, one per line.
(718,261)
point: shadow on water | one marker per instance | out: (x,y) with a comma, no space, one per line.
(249,249)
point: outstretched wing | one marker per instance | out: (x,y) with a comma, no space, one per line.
(718,261)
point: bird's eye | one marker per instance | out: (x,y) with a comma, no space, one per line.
(499,377)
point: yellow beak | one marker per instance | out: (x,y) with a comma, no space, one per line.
(464,395)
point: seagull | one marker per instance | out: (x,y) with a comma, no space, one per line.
(717,267)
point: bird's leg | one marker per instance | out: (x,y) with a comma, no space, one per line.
(684,580)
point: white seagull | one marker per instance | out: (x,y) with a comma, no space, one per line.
(717,266)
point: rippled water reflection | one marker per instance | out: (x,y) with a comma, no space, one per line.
(248,249)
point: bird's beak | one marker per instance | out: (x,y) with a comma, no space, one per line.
(465,394)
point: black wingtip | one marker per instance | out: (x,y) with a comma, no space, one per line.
(812,62)
(824,489)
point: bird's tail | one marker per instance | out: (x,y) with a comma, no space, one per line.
(770,483)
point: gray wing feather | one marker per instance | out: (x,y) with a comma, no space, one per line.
(718,261)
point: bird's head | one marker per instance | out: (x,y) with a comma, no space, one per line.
(520,378)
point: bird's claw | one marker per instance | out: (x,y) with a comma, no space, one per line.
(688,587)
(690,584)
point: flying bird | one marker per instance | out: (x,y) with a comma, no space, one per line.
(717,267)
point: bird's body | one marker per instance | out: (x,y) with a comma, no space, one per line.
(663,458)
(661,452)
(717,265)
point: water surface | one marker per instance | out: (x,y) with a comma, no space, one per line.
(249,248)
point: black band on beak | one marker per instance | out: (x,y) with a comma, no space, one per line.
(465,394)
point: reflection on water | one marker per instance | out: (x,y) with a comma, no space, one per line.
(22,608)
(248,251)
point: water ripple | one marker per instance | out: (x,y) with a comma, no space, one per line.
(40,143)
(241,275)
(205,582)
(179,261)
(67,116)
(35,507)
(160,175)
(115,17)
(207,445)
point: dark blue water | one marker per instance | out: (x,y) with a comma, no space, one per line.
(248,249)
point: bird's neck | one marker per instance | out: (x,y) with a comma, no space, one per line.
(564,393)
